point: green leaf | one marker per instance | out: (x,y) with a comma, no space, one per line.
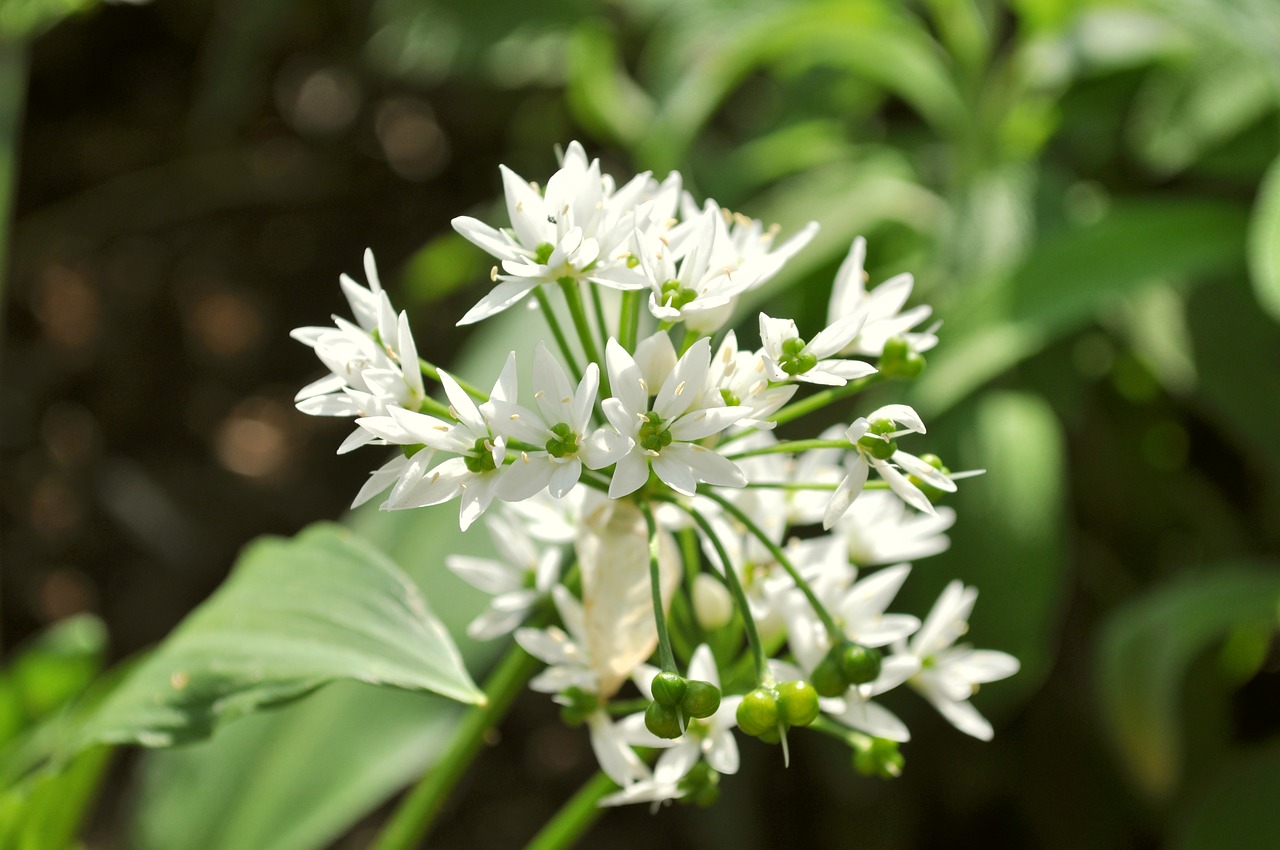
(439,268)
(294,615)
(243,788)
(1264,243)
(1010,540)
(1238,809)
(1146,648)
(25,19)
(47,811)
(59,665)
(1070,276)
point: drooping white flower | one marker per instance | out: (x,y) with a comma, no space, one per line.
(880,308)
(664,435)
(866,434)
(522,575)
(948,674)
(787,357)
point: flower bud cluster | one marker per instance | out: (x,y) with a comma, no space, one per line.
(642,452)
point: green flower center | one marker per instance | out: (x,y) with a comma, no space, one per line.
(654,435)
(874,442)
(543,253)
(564,443)
(481,458)
(795,360)
(730,399)
(675,295)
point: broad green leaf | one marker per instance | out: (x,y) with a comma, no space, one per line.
(437,269)
(1146,648)
(1264,243)
(294,615)
(243,788)
(1238,809)
(1010,539)
(59,664)
(47,811)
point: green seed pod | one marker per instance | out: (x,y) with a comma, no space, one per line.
(669,688)
(662,720)
(882,758)
(770,736)
(827,679)
(701,699)
(758,712)
(798,703)
(859,664)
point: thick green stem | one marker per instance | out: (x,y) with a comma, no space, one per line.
(629,320)
(575,817)
(432,372)
(781,558)
(739,595)
(558,332)
(578,310)
(418,810)
(597,306)
(666,657)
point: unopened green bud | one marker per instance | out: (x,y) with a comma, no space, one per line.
(669,688)
(758,712)
(701,699)
(770,736)
(712,604)
(662,720)
(798,702)
(700,786)
(859,664)
(827,679)
(881,758)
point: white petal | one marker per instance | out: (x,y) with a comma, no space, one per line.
(629,475)
(496,300)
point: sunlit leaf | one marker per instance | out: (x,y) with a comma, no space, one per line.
(295,615)
(1146,648)
(47,811)
(1264,243)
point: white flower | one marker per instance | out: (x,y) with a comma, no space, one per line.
(740,378)
(880,309)
(560,421)
(666,434)
(517,581)
(878,427)
(574,232)
(477,466)
(950,674)
(878,529)
(787,357)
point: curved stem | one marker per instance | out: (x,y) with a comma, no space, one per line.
(665,656)
(578,311)
(787,485)
(575,816)
(432,371)
(417,812)
(558,332)
(739,595)
(817,401)
(597,305)
(781,558)
(629,320)
(790,446)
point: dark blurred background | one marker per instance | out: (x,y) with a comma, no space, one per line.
(1088,194)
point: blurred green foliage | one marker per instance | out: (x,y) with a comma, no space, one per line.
(1088,194)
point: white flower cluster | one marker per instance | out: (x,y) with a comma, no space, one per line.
(640,465)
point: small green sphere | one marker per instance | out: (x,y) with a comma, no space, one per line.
(669,688)
(798,703)
(758,712)
(701,699)
(662,720)
(770,736)
(827,679)
(859,664)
